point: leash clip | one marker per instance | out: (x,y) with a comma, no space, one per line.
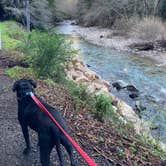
(29,93)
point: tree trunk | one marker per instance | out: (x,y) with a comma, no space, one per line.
(156,5)
(27,15)
(0,40)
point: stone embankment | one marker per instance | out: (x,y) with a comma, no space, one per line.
(79,73)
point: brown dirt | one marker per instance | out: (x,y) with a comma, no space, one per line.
(100,140)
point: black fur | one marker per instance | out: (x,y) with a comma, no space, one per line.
(30,115)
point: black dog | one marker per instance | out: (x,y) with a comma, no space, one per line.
(29,114)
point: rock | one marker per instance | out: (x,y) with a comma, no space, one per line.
(127,112)
(139,107)
(82,79)
(131,88)
(91,75)
(115,108)
(115,102)
(80,68)
(161,43)
(88,65)
(101,36)
(76,62)
(69,66)
(73,23)
(74,74)
(102,82)
(91,88)
(119,84)
(146,46)
(97,88)
(154,128)
(106,83)
(116,85)
(102,90)
(134,95)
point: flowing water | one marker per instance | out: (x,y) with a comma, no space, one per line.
(143,73)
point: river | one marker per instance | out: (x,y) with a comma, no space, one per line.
(112,65)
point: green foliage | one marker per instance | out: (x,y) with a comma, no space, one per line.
(80,96)
(120,152)
(100,105)
(133,147)
(103,107)
(18,72)
(12,34)
(47,54)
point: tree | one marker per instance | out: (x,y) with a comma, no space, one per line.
(162,9)
(31,13)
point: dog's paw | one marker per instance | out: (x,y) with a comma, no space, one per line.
(26,151)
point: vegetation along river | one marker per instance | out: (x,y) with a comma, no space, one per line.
(113,65)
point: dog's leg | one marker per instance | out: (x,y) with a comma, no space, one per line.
(26,137)
(70,152)
(69,149)
(58,148)
(45,149)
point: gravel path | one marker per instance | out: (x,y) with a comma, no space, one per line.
(11,139)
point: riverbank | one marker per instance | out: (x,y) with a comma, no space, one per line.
(107,38)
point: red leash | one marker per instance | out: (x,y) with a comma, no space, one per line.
(89,161)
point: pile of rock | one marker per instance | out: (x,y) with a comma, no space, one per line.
(79,73)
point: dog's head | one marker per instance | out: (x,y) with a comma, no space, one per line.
(23,86)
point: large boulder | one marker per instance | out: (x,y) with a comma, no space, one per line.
(102,82)
(91,75)
(120,84)
(132,88)
(74,75)
(81,79)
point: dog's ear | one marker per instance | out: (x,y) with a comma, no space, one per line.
(33,83)
(15,86)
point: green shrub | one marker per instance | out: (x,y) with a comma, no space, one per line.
(80,96)
(103,107)
(100,105)
(47,53)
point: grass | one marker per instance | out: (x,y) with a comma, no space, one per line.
(12,34)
